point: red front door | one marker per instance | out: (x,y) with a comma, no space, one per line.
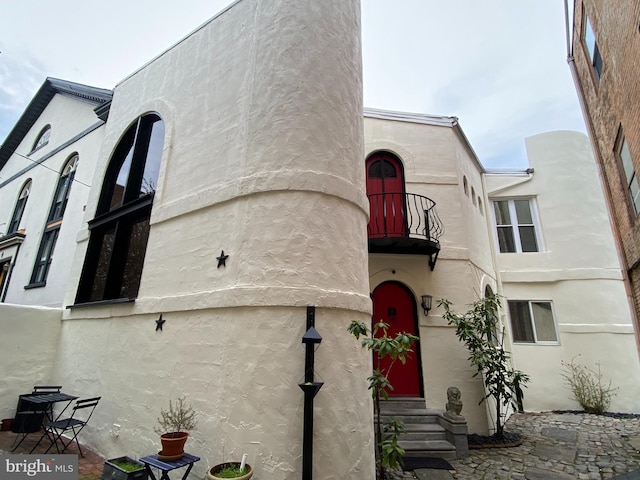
(394,304)
(385,188)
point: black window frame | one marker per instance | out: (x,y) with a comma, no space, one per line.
(42,265)
(121,228)
(54,222)
(21,205)
(63,189)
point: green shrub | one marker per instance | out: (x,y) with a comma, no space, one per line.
(587,388)
(478,329)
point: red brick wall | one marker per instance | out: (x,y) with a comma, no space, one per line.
(611,102)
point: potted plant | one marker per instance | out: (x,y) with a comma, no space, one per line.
(173,427)
(123,468)
(237,470)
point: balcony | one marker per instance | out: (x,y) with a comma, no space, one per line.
(404,223)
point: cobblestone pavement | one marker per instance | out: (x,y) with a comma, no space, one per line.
(555,446)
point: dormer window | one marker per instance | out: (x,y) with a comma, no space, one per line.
(43,138)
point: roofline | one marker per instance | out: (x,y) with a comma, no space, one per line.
(183,39)
(438,120)
(50,87)
(509,172)
(425,119)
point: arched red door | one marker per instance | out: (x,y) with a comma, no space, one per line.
(394,304)
(385,189)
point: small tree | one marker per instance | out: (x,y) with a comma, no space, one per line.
(478,330)
(181,417)
(388,452)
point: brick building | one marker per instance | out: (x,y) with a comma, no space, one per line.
(605,65)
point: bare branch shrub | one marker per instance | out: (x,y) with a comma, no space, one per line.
(587,387)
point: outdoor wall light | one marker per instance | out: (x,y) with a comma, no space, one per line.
(426,304)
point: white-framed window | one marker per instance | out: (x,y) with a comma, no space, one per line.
(592,47)
(43,138)
(533,321)
(517,227)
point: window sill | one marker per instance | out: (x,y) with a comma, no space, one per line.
(35,285)
(99,303)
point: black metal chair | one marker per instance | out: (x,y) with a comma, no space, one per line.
(27,421)
(44,389)
(80,415)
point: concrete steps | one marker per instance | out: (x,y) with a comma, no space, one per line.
(425,437)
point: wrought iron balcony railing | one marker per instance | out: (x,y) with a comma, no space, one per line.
(404,223)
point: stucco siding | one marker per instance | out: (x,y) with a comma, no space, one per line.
(578,271)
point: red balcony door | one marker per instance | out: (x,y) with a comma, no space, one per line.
(394,304)
(385,188)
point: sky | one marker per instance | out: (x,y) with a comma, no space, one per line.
(498,65)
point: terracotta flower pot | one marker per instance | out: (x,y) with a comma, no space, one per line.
(173,443)
(211,473)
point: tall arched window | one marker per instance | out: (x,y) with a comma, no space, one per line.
(54,222)
(120,229)
(14,224)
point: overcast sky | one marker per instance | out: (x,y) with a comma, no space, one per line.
(498,65)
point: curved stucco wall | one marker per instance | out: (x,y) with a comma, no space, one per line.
(262,159)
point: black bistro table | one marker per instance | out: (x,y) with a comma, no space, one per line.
(44,402)
(47,399)
(187,460)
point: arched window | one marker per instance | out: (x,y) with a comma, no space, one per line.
(63,189)
(465,184)
(54,222)
(42,139)
(119,232)
(14,224)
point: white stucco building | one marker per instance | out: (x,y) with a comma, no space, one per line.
(560,273)
(233,181)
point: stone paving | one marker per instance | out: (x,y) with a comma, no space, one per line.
(555,447)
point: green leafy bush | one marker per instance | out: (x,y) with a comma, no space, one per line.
(478,329)
(397,348)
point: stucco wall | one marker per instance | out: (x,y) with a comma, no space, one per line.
(578,271)
(67,117)
(435,161)
(28,348)
(262,159)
